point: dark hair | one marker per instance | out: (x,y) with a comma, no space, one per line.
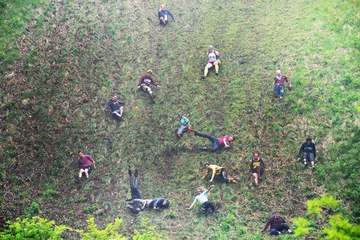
(167,204)
(206,163)
(308,139)
(135,211)
(256,152)
(233,138)
(79,151)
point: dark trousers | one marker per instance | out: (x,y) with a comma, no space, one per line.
(222,176)
(135,193)
(275,231)
(206,206)
(214,140)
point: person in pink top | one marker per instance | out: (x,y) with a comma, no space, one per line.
(217,143)
(84,164)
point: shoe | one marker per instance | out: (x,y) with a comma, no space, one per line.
(281,97)
(305,163)
(203,77)
(178,134)
(313,169)
(289,231)
(260,178)
(130,172)
(195,133)
(136,173)
(216,74)
(279,233)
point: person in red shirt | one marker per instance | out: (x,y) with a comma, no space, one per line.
(279,84)
(145,81)
(277,225)
(217,143)
(84,164)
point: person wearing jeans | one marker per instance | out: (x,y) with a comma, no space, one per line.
(279,84)
(277,225)
(217,143)
(136,203)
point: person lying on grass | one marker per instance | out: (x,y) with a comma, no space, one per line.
(213,61)
(256,166)
(218,173)
(136,203)
(84,164)
(202,197)
(185,125)
(116,106)
(217,143)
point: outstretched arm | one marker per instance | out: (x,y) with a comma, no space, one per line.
(191,206)
(171,15)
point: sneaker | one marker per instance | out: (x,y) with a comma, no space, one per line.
(279,233)
(281,97)
(130,172)
(178,134)
(260,178)
(289,231)
(216,74)
(313,169)
(195,133)
(136,173)
(305,163)
(203,77)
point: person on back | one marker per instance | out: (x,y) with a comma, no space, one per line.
(308,152)
(145,81)
(256,166)
(219,173)
(136,203)
(202,197)
(277,225)
(185,125)
(217,143)
(279,84)
(84,164)
(213,61)
(116,106)
(163,15)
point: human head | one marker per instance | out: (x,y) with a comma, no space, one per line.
(162,7)
(114,98)
(207,165)
(149,72)
(210,48)
(277,214)
(256,155)
(180,114)
(81,154)
(200,190)
(278,72)
(166,203)
(308,140)
(231,138)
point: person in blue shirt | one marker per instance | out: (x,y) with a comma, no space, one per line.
(163,15)
(185,125)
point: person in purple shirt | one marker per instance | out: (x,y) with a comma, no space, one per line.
(279,84)
(277,225)
(145,81)
(84,164)
(162,14)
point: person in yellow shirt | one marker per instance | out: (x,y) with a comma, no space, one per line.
(219,173)
(256,166)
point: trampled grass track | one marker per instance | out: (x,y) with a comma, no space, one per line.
(92,49)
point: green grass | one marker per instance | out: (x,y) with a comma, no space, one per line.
(77,54)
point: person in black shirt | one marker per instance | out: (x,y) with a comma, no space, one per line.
(116,106)
(308,152)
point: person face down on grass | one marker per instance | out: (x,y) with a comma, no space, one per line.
(219,173)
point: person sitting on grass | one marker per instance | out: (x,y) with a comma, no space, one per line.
(277,225)
(116,106)
(219,173)
(84,164)
(213,61)
(136,203)
(279,84)
(163,15)
(256,166)
(145,81)
(217,143)
(185,125)
(308,153)
(202,197)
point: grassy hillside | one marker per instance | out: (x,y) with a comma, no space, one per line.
(72,55)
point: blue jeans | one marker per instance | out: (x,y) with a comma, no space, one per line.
(135,193)
(278,90)
(214,140)
(308,156)
(182,130)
